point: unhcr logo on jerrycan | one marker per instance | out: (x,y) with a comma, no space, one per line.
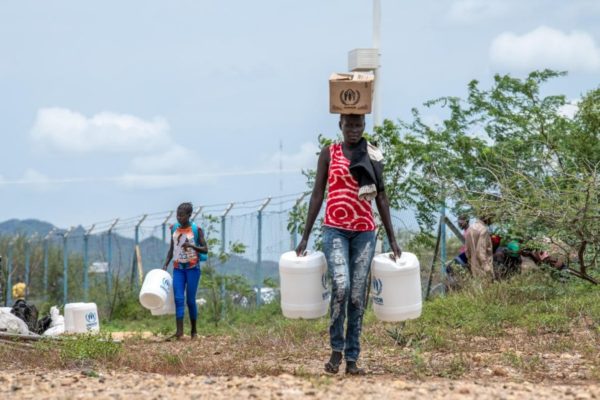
(165,285)
(377,289)
(91,320)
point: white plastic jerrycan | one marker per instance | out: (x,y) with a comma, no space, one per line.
(155,289)
(303,281)
(81,318)
(168,308)
(396,287)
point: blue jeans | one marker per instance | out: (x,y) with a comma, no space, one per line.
(349,255)
(183,277)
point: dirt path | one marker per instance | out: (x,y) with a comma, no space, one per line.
(76,384)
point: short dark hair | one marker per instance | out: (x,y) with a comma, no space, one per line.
(186,208)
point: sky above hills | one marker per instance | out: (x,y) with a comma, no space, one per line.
(115,109)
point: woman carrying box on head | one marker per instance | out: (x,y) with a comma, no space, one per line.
(353,171)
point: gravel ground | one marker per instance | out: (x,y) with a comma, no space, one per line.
(80,384)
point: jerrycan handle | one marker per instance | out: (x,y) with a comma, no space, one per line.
(397,261)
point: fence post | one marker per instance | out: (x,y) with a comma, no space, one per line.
(66,265)
(9,267)
(295,230)
(86,282)
(195,215)
(443,247)
(28,244)
(259,253)
(223,303)
(164,226)
(135,265)
(46,251)
(109,272)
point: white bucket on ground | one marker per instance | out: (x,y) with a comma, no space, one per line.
(68,315)
(303,282)
(156,288)
(396,287)
(81,318)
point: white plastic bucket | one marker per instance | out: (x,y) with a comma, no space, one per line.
(168,308)
(156,288)
(396,287)
(81,318)
(68,315)
(303,282)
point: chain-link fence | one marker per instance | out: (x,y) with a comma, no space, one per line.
(97,262)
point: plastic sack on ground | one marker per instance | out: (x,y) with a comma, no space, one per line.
(55,330)
(10,323)
(57,319)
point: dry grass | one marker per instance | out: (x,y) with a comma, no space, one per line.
(518,331)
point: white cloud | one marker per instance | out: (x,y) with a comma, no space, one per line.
(31,178)
(476,11)
(569,110)
(174,160)
(68,131)
(546,47)
(305,157)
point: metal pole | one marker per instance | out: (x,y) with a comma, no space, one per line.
(65,265)
(377,72)
(198,211)
(229,207)
(164,226)
(259,253)
(109,272)
(295,231)
(443,246)
(27,264)
(86,284)
(46,250)
(9,267)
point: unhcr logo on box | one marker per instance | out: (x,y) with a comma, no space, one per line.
(349,97)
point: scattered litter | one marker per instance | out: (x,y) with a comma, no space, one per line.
(12,324)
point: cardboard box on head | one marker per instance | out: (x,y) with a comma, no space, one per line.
(350,93)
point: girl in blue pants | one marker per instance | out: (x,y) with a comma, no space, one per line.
(187,242)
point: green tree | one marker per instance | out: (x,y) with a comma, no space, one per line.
(509,151)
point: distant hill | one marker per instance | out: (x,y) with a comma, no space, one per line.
(25,227)
(152,248)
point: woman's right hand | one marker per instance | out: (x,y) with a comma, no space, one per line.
(301,247)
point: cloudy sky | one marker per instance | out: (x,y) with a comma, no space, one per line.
(119,108)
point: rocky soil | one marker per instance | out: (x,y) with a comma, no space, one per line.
(75,384)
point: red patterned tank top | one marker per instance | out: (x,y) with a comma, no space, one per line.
(344,210)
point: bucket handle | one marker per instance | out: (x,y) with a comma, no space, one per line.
(392,257)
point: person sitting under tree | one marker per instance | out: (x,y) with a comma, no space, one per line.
(479,248)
